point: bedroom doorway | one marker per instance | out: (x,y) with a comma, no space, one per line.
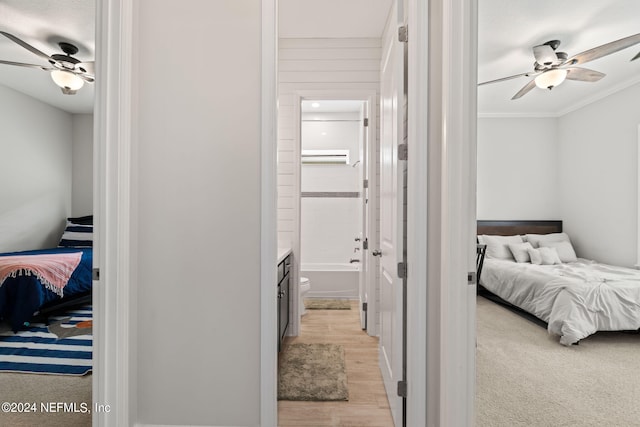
(45,215)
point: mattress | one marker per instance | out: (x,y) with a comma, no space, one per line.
(576,299)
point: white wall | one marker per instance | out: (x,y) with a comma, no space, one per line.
(580,167)
(598,177)
(35,195)
(82,176)
(196,202)
(517,169)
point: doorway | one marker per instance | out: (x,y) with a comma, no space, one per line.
(332,197)
(335,184)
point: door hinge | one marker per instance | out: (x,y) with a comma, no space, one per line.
(402,270)
(471,277)
(402,388)
(365,121)
(364,306)
(95,274)
(403,34)
(365,183)
(403,152)
(365,244)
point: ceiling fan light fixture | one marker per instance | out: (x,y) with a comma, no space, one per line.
(68,82)
(550,79)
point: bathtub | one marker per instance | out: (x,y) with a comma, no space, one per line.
(332,280)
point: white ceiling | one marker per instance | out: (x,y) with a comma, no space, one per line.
(507,30)
(42,24)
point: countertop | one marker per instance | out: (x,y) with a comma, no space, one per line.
(282,254)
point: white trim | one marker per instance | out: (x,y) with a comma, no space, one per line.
(417,213)
(268,217)
(114,342)
(451,124)
(370,97)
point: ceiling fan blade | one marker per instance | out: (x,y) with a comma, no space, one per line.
(87,68)
(26,46)
(525,89)
(532,73)
(86,78)
(584,74)
(545,55)
(21,64)
(605,49)
(636,57)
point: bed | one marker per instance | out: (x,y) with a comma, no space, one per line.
(575,297)
(26,293)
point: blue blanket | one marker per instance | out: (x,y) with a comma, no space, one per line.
(23,296)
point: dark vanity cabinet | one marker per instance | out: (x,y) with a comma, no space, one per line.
(284,291)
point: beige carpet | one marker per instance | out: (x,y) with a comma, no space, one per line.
(327,304)
(36,388)
(312,372)
(526,378)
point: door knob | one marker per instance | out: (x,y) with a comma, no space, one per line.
(376,253)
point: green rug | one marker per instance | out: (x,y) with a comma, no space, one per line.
(312,372)
(327,304)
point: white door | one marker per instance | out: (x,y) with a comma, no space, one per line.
(391,224)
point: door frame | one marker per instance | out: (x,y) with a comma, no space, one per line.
(441,211)
(113,383)
(369,97)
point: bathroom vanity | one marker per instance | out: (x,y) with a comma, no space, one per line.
(284,291)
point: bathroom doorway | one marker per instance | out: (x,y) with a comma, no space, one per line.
(337,199)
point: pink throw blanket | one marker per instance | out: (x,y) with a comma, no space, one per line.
(53,270)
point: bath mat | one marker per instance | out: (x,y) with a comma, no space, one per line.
(312,372)
(327,304)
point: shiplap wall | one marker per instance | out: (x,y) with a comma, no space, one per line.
(316,64)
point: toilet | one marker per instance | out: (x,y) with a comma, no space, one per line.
(305,286)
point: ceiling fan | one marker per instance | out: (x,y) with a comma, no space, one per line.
(551,67)
(66,71)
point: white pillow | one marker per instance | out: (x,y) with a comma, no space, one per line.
(535,256)
(497,246)
(520,251)
(544,256)
(565,250)
(536,239)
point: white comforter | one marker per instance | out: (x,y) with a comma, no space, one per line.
(575,299)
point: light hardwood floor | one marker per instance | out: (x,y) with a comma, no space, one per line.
(367,405)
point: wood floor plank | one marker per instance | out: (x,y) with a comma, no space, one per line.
(367,404)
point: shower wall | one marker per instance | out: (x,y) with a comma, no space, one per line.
(331,216)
